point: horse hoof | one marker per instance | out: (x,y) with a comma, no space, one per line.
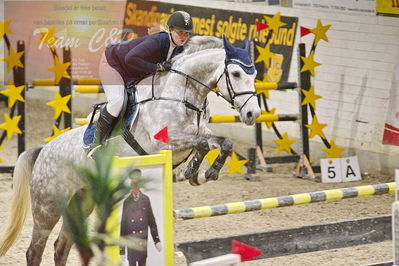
(196,181)
(211,174)
(189,173)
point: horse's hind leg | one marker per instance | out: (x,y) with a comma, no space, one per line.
(43,224)
(191,172)
(226,147)
(63,244)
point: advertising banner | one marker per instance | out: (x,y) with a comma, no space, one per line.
(85,27)
(385,7)
(234,25)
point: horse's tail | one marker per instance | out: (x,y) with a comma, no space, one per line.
(20,199)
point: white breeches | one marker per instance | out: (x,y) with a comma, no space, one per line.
(113,85)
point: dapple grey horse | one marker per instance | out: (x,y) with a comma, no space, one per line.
(176,99)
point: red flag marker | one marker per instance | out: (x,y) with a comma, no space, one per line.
(304,31)
(261,26)
(162,135)
(246,252)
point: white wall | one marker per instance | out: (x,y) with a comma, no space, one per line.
(355,81)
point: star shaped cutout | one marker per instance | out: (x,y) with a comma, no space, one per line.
(235,165)
(11,125)
(5,27)
(309,63)
(264,55)
(316,128)
(271,112)
(284,144)
(48,36)
(60,104)
(310,97)
(56,133)
(60,70)
(333,151)
(212,155)
(13,93)
(274,23)
(13,59)
(320,32)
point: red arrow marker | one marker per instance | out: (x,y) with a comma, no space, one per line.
(162,135)
(304,31)
(246,252)
(261,26)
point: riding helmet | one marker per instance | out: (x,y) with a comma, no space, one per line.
(181,20)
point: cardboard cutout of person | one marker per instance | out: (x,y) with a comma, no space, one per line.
(137,219)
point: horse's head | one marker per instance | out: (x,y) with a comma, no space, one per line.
(236,83)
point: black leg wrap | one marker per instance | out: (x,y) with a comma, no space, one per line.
(213,172)
(191,171)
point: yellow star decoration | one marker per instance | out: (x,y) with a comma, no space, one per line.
(274,22)
(13,59)
(57,132)
(333,151)
(48,36)
(309,63)
(320,32)
(212,155)
(264,55)
(1,159)
(284,144)
(310,97)
(5,28)
(11,125)
(13,93)
(316,128)
(272,112)
(60,70)
(60,104)
(235,165)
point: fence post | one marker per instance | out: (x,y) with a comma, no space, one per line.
(19,80)
(66,86)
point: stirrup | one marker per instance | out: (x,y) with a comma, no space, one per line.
(92,151)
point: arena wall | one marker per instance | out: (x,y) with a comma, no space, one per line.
(355,81)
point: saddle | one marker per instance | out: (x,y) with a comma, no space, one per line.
(126,118)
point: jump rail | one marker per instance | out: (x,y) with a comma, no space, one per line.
(284,201)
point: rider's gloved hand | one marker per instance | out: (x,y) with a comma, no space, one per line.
(164,66)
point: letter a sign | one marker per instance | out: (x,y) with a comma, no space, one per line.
(340,170)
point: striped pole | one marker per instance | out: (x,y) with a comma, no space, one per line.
(260,86)
(89,89)
(284,201)
(229,118)
(261,118)
(266,86)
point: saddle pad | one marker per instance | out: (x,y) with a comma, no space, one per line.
(88,135)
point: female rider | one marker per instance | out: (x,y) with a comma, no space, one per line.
(129,62)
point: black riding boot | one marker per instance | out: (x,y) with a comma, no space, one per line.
(104,127)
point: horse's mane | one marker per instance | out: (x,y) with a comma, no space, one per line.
(199,43)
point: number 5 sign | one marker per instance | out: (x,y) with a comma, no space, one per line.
(340,170)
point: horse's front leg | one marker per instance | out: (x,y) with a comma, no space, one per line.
(202,148)
(226,147)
